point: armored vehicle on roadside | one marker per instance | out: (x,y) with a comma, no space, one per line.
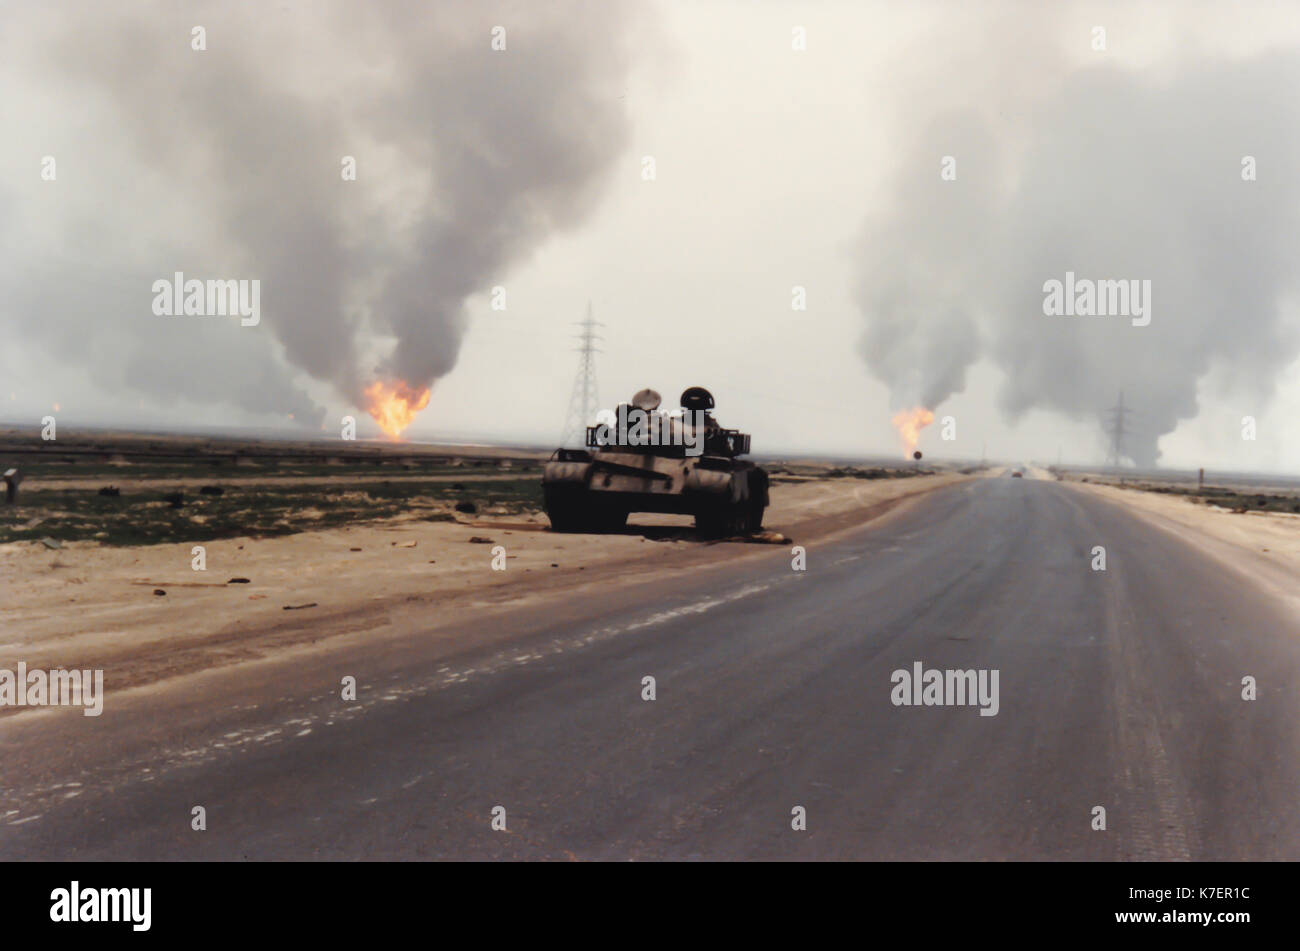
(642,460)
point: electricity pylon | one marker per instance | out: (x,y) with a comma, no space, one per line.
(583,403)
(1117,428)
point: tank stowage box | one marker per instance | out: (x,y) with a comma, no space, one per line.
(647,461)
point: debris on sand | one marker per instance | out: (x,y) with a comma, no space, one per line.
(238,581)
(479,540)
(159,592)
(110,490)
(354,549)
(183,584)
(12,479)
(469,508)
(211,490)
(299,607)
(176,499)
(51,542)
(756,538)
(403,544)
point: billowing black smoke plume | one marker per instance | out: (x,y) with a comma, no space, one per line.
(1111,175)
(228,162)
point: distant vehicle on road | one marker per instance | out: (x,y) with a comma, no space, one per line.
(1017,474)
(692,470)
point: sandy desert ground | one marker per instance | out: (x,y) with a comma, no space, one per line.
(143,614)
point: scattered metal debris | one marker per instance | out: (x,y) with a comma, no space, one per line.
(12,478)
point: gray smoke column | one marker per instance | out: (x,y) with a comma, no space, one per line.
(917,269)
(1114,175)
(227,162)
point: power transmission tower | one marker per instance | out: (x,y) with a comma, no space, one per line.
(583,401)
(1117,428)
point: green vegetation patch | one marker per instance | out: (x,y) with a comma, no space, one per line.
(152,517)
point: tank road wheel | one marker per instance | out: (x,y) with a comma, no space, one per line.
(741,515)
(614,520)
(734,513)
(723,521)
(711,523)
(564,507)
(757,500)
(573,509)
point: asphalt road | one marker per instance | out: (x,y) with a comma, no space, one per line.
(1119,689)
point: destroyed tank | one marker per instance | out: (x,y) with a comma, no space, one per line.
(644,460)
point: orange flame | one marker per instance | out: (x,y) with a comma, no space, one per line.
(909,423)
(394,405)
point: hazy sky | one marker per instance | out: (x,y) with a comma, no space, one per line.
(775,167)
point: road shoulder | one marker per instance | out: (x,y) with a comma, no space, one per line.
(1263,548)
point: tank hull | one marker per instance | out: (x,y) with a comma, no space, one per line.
(594,491)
